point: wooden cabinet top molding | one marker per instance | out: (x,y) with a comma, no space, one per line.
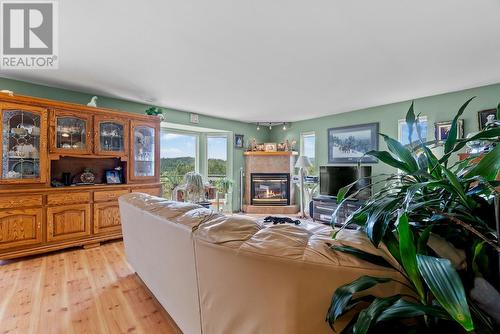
(68,106)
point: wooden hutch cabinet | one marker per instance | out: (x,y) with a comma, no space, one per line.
(48,199)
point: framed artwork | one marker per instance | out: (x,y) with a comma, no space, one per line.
(483,115)
(441,129)
(113,176)
(270,147)
(348,144)
(238,141)
(403,130)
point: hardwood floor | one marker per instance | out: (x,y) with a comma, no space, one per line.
(78,291)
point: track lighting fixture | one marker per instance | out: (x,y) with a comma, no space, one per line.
(271,124)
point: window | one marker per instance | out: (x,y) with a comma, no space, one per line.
(216,156)
(308,148)
(178,155)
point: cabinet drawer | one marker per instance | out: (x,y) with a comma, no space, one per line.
(7,202)
(20,227)
(107,218)
(68,222)
(150,191)
(68,198)
(109,195)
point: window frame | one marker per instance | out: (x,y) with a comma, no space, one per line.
(197,160)
(307,134)
(229,143)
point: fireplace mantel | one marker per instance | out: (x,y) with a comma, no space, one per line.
(277,153)
(269,162)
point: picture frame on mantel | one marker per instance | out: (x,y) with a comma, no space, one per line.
(348,144)
(270,147)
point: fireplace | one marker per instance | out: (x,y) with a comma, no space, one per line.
(270,189)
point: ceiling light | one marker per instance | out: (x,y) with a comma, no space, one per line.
(258,127)
(284,126)
(270,127)
(65,135)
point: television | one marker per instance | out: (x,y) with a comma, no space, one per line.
(333,178)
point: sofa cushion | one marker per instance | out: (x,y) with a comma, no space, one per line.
(307,242)
(188,214)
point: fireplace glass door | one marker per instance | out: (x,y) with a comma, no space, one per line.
(270,189)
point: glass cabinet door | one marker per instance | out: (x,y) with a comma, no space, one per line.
(144,151)
(72,133)
(111,136)
(23,144)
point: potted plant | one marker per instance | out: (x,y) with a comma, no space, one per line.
(155,111)
(223,185)
(436,219)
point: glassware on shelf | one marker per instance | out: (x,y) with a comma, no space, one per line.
(71,133)
(20,144)
(111,137)
(144,151)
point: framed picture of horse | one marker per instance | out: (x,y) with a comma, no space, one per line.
(348,144)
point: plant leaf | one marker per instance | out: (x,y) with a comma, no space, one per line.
(479,260)
(488,166)
(343,295)
(401,152)
(392,245)
(455,182)
(405,309)
(375,259)
(379,219)
(422,240)
(446,286)
(452,134)
(434,166)
(369,314)
(388,159)
(409,254)
(410,121)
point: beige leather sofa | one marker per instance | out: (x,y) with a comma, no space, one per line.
(217,274)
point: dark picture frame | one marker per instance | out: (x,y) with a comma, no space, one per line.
(238,141)
(114,176)
(482,115)
(348,144)
(441,129)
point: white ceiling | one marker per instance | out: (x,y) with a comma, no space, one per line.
(280,60)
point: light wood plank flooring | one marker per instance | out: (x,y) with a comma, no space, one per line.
(78,291)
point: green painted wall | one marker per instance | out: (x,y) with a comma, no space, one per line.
(437,108)
(174,116)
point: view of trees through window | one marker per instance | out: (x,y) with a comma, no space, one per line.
(217,156)
(177,157)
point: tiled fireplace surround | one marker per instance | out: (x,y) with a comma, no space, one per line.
(269,162)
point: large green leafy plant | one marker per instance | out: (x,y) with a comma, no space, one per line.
(429,198)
